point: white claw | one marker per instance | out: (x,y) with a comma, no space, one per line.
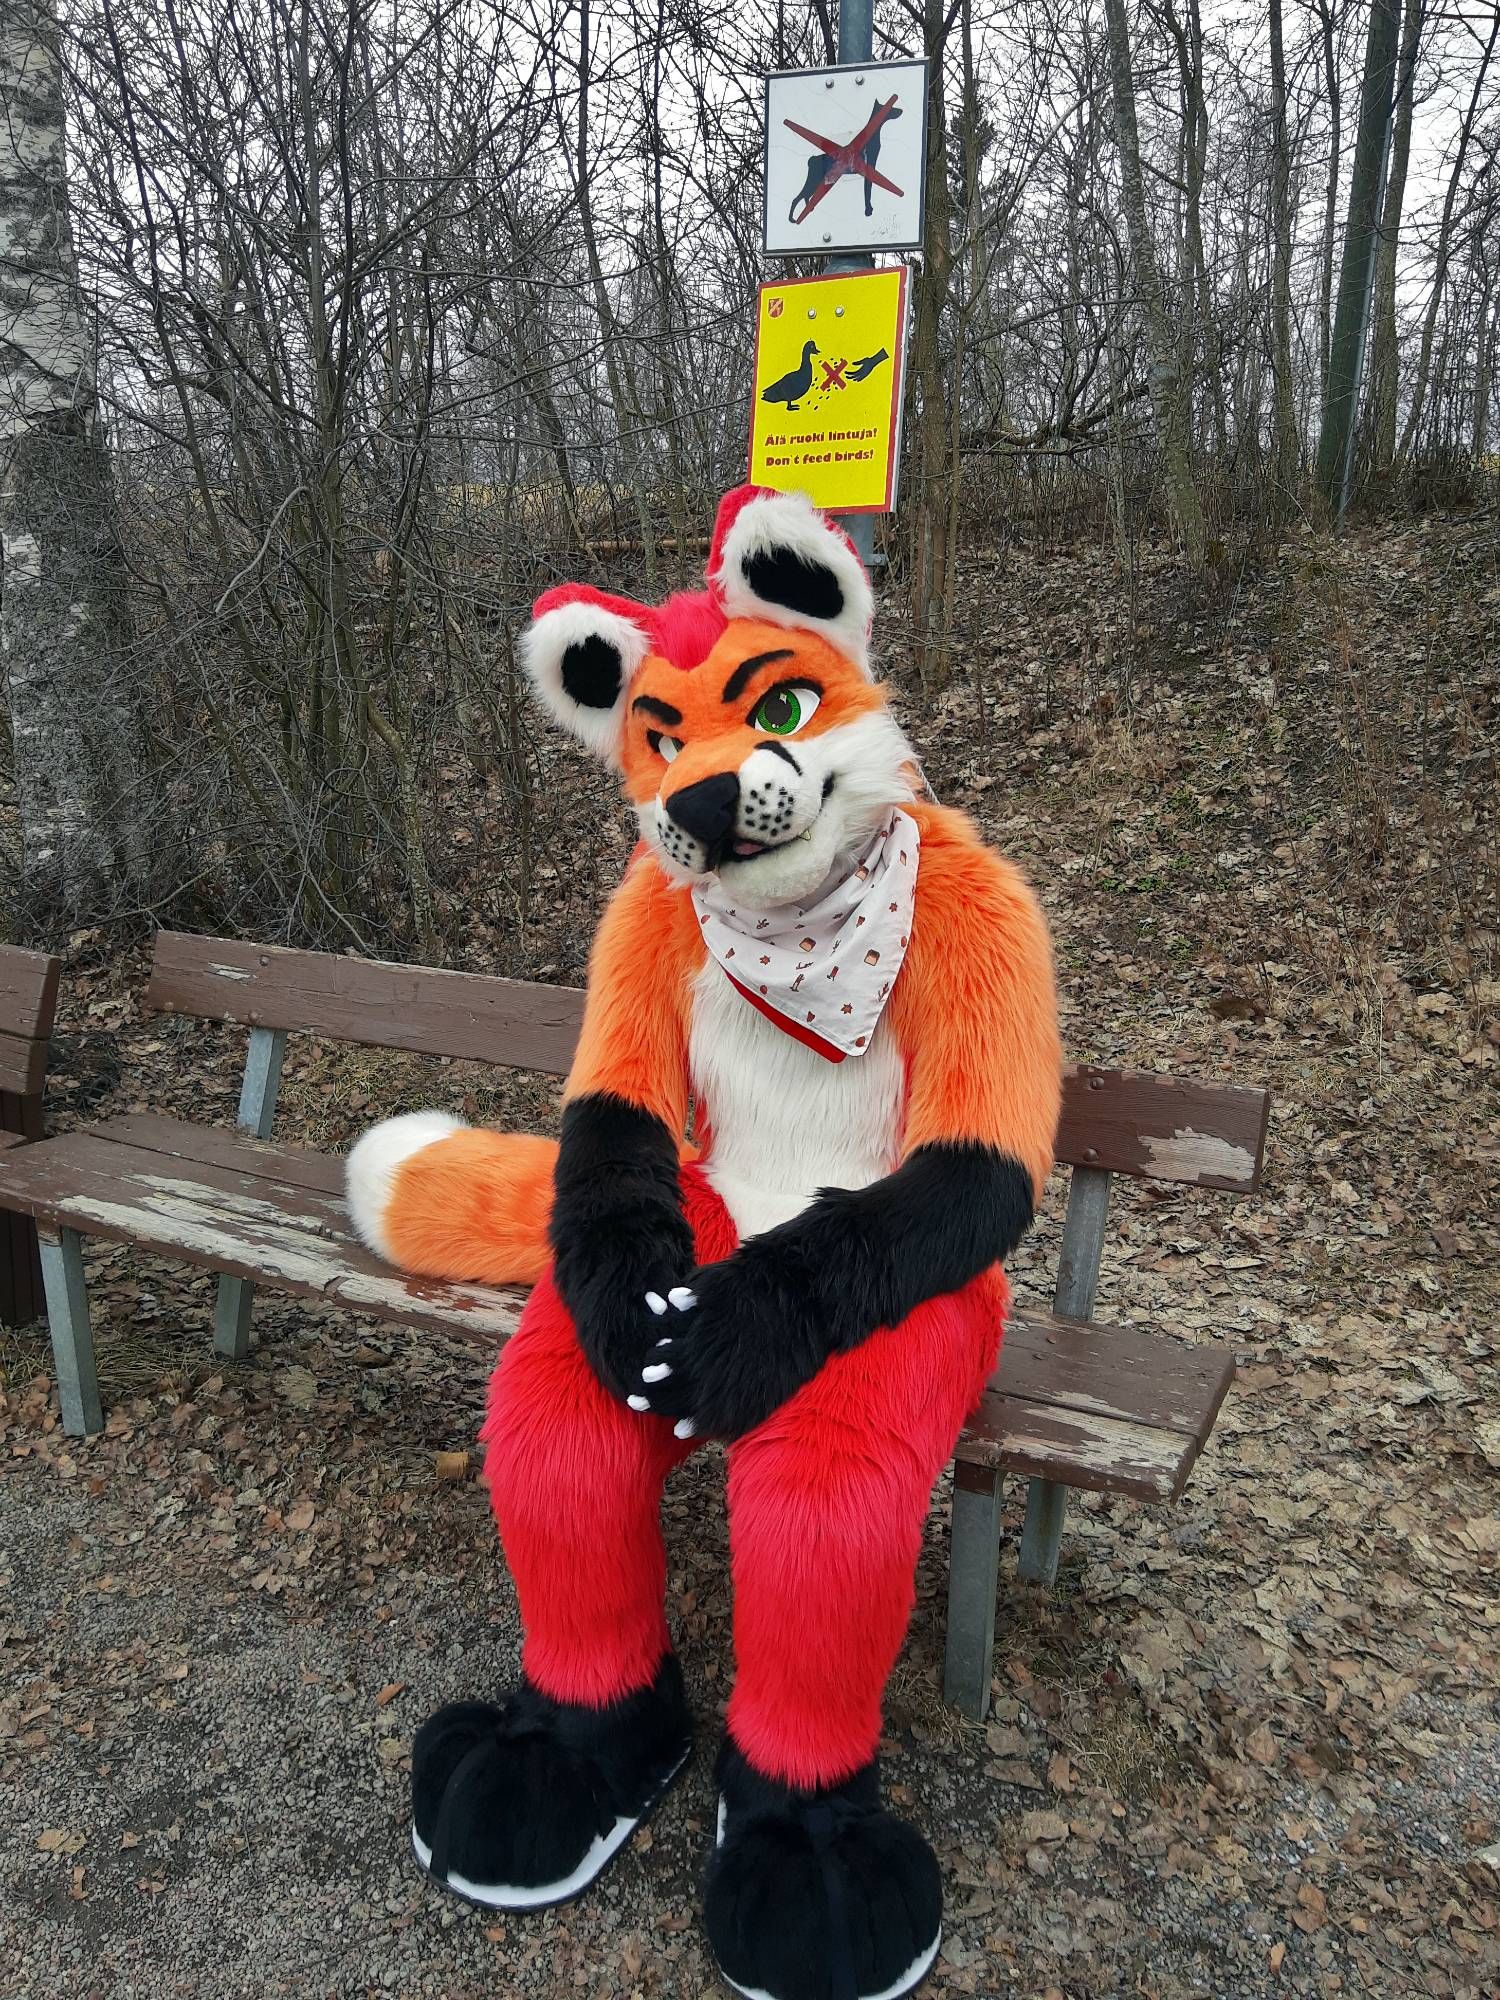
(657,1372)
(638,1402)
(681,1297)
(685,1429)
(656,1302)
(665,1343)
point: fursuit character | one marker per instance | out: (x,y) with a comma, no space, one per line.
(856,998)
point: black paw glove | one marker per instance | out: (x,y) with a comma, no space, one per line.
(740,1337)
(731,1346)
(618,1232)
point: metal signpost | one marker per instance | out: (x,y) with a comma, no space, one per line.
(846,159)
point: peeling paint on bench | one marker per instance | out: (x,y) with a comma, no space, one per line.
(1189,1155)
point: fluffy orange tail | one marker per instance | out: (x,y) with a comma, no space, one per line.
(449,1201)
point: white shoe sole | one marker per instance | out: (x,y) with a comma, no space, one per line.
(542,1895)
(909,1981)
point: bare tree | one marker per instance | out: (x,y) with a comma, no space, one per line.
(1169,393)
(1356,272)
(1384,358)
(1286,451)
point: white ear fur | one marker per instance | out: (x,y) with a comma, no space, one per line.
(822,586)
(566,654)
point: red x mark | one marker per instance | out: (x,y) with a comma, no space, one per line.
(846,159)
(833,374)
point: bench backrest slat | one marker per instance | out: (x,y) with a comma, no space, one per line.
(28,1003)
(1164,1128)
(384,1006)
(1159,1128)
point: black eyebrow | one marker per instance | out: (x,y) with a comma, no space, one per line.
(662,710)
(734,687)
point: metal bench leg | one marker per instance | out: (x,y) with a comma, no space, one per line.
(262,1081)
(1077,1283)
(973,1573)
(72,1335)
(232,1310)
(1046,1503)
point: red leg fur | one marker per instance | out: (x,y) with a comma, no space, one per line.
(827,1501)
(826,1505)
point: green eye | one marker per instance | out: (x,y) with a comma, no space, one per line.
(784,710)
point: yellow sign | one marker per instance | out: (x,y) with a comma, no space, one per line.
(825,418)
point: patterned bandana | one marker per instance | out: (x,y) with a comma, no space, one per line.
(823,974)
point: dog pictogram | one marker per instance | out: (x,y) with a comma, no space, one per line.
(832,161)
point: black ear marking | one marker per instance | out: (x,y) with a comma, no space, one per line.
(785,577)
(591,672)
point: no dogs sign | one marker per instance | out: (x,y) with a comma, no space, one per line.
(845,157)
(825,413)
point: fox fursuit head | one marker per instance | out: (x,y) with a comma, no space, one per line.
(856,998)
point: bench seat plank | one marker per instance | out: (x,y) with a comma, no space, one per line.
(1115,1410)
(233,1148)
(1117,1372)
(250,1225)
(1075,1447)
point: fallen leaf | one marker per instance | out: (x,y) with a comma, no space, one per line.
(1261,1745)
(298,1385)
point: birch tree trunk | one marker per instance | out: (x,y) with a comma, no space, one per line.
(1286,446)
(63,608)
(1327,20)
(1169,399)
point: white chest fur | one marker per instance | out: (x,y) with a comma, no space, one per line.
(784,1120)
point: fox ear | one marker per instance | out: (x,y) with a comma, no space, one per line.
(581,651)
(775,556)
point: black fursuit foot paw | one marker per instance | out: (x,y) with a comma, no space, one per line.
(519,1806)
(819,1895)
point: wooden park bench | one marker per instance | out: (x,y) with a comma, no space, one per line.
(1074,1403)
(28,1002)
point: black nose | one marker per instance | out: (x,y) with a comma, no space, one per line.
(707,810)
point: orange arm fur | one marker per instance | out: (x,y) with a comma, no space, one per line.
(636,1018)
(975,1007)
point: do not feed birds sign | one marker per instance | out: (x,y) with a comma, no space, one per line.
(825,411)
